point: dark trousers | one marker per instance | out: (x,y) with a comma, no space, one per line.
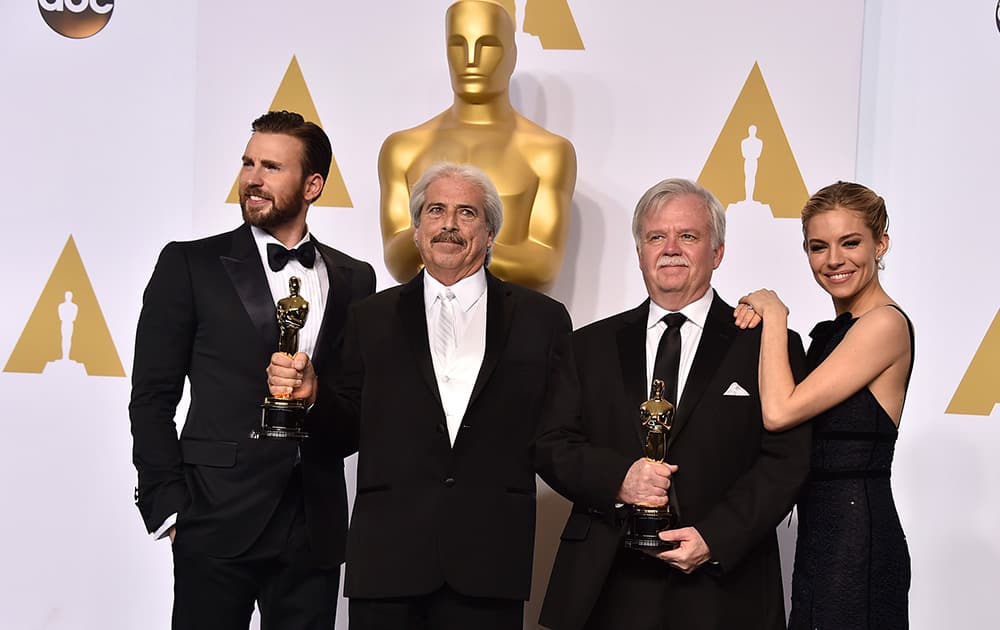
(443,609)
(634,595)
(293,594)
(643,593)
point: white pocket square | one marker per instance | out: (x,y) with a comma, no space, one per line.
(736,390)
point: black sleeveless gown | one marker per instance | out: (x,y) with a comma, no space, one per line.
(852,567)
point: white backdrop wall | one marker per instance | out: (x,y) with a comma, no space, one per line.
(132,137)
(928,142)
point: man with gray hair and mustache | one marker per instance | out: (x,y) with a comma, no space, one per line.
(444,380)
(728,480)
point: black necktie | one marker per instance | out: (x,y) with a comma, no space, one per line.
(278,256)
(668,355)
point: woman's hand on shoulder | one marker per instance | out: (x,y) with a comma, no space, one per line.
(757,305)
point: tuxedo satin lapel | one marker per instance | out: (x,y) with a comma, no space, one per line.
(413,319)
(632,360)
(715,342)
(245,269)
(499,313)
(337,299)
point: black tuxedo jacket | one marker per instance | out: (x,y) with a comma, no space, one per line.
(208,315)
(734,483)
(427,513)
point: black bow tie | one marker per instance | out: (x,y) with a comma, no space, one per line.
(278,256)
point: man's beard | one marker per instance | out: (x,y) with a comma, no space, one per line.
(282,211)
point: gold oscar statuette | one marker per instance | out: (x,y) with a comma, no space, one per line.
(645,522)
(283,417)
(533,169)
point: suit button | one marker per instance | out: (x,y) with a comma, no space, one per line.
(449,482)
(441,428)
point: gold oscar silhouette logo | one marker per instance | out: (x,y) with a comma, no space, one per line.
(76,19)
(752,165)
(551,21)
(66,333)
(293,95)
(979,390)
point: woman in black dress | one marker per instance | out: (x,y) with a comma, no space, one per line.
(852,567)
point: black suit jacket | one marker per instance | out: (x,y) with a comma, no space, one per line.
(208,315)
(427,513)
(734,483)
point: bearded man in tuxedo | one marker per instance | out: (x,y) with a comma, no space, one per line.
(250,521)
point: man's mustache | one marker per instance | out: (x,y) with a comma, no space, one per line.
(671,261)
(448,237)
(256,191)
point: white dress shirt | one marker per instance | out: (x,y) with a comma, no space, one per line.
(696,313)
(456,375)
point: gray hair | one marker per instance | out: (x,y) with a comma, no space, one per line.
(670,189)
(492,205)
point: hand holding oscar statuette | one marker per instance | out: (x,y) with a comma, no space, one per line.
(283,417)
(645,522)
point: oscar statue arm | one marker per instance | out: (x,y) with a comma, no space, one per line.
(400,253)
(536,260)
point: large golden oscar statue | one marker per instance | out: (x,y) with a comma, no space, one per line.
(534,170)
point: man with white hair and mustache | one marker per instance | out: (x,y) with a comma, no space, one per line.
(728,480)
(444,379)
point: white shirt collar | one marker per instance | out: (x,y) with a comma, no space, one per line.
(468,290)
(696,312)
(263,237)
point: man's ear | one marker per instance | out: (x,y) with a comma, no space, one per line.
(313,187)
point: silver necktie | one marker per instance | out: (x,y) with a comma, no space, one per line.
(444,334)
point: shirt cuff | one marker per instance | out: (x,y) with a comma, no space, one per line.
(165,528)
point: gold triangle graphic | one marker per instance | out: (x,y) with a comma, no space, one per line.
(293,95)
(778,180)
(553,23)
(979,390)
(66,307)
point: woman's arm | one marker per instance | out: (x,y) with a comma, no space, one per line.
(872,345)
